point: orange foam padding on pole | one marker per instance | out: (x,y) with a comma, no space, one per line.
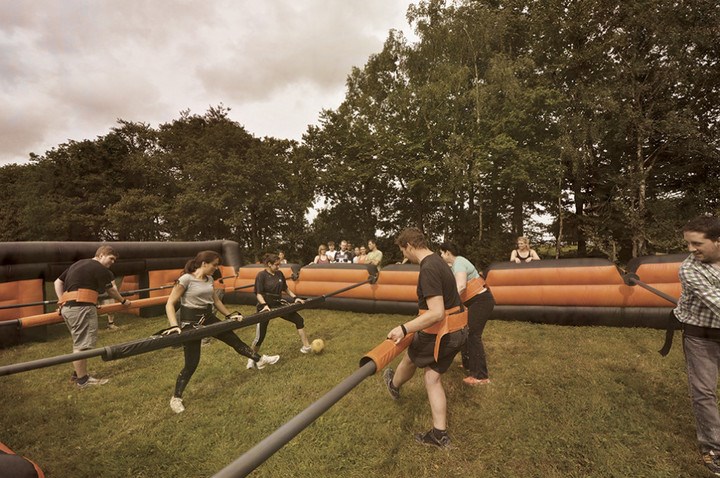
(591,275)
(54,317)
(315,289)
(386,352)
(4,448)
(660,273)
(161,278)
(21,292)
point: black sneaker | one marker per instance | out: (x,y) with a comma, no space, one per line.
(712,462)
(388,375)
(429,438)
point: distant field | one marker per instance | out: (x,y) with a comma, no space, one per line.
(564,402)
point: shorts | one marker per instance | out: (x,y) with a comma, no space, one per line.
(422,349)
(82,322)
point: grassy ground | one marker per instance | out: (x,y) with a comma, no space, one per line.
(564,402)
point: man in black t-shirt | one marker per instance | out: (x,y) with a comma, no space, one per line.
(344,255)
(437,294)
(77,289)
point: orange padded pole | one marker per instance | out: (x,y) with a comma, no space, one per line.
(386,351)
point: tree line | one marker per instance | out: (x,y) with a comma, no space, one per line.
(591,126)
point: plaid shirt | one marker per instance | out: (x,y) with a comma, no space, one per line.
(699,302)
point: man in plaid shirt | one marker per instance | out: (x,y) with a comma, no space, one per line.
(699,312)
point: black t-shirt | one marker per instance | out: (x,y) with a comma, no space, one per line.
(436,278)
(87,274)
(270,286)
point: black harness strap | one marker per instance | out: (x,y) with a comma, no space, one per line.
(673,324)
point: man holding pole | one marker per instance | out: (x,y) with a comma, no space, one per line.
(699,312)
(77,289)
(440,330)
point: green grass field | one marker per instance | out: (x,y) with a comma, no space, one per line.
(564,402)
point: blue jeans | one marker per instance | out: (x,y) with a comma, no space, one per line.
(702,358)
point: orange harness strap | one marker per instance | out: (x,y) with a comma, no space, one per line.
(455,319)
(80,295)
(473,288)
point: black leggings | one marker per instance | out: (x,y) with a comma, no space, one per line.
(192,349)
(261,330)
(473,352)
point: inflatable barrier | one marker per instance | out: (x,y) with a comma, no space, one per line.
(564,291)
(27,267)
(584,291)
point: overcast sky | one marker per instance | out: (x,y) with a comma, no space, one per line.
(69,68)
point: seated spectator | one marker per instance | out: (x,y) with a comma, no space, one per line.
(344,256)
(375,256)
(361,258)
(322,257)
(330,251)
(356,255)
(523,253)
(281,257)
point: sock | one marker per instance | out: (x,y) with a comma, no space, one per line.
(82,380)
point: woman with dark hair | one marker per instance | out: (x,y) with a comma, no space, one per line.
(194,292)
(269,285)
(480,303)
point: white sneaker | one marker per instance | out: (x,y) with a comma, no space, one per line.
(92,381)
(267,360)
(251,364)
(305,349)
(176,405)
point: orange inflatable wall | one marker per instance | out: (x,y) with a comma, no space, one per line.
(21,292)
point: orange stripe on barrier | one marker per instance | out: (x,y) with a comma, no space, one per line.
(386,351)
(54,317)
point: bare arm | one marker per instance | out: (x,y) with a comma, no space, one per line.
(173,300)
(461,281)
(59,287)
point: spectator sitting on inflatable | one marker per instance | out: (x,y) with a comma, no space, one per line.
(361,258)
(523,253)
(331,251)
(375,256)
(344,256)
(322,257)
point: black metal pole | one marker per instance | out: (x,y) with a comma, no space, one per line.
(258,454)
(634,279)
(145,345)
(50,361)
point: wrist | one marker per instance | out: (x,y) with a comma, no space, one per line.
(122,302)
(404,329)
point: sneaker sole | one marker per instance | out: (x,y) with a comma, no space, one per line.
(419,439)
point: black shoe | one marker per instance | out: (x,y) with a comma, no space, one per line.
(712,462)
(429,438)
(388,375)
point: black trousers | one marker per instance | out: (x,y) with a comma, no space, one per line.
(191,350)
(261,330)
(473,352)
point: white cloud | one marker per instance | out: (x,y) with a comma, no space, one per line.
(70,69)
